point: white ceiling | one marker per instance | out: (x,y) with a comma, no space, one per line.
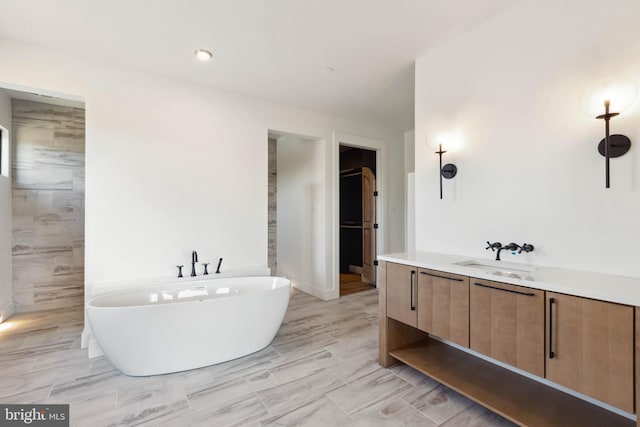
(271,49)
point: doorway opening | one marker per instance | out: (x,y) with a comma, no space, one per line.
(357,219)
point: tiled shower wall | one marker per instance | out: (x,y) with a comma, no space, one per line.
(48,205)
(273,202)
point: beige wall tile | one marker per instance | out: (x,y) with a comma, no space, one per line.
(48,206)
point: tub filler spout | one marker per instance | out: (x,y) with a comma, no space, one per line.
(194,260)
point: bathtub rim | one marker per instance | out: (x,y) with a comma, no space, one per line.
(89,304)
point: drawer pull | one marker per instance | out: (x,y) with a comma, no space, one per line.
(441,277)
(413,307)
(529,294)
(551,353)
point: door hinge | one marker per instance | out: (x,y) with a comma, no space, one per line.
(375,226)
(375,262)
(375,194)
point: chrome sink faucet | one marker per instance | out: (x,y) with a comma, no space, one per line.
(510,247)
(526,247)
(493,246)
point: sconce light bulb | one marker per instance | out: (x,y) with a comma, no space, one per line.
(448,141)
(618,93)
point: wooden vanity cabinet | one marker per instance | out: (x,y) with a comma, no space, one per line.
(507,324)
(592,343)
(590,348)
(637,310)
(443,305)
(401,282)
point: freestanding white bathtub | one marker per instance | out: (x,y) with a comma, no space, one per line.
(181,326)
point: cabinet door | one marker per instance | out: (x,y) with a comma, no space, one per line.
(590,348)
(638,362)
(443,305)
(401,293)
(507,324)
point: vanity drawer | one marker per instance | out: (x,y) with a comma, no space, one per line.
(443,305)
(507,324)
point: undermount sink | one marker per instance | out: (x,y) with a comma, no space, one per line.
(497,269)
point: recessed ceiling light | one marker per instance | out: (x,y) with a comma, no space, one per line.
(203,54)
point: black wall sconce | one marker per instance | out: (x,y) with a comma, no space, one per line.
(612,145)
(447,171)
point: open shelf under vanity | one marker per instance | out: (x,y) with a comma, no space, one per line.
(520,399)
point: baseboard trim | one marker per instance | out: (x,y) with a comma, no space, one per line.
(94,349)
(85,338)
(323,294)
(6,311)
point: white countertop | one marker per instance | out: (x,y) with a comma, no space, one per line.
(600,286)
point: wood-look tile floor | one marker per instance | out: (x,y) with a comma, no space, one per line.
(350,283)
(321,370)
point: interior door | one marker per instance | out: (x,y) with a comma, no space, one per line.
(368,223)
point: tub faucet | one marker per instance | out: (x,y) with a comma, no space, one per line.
(194,260)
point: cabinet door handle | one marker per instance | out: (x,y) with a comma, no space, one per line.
(413,307)
(441,277)
(551,353)
(529,294)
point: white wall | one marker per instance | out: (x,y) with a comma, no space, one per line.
(409,151)
(394,198)
(301,214)
(172,167)
(529,170)
(6,296)
(410,222)
(409,191)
